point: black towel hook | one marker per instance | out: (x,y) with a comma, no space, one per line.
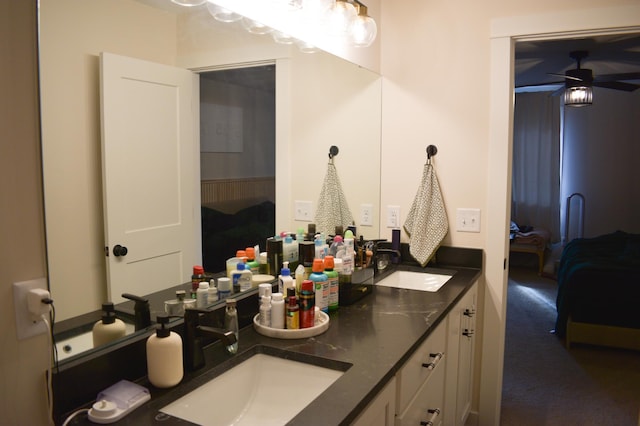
(431,151)
(333,151)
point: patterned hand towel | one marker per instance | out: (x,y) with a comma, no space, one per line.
(332,205)
(427,222)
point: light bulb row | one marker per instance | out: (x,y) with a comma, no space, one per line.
(344,19)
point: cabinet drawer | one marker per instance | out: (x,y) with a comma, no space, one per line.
(414,373)
(428,404)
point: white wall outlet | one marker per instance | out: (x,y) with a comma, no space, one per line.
(366,214)
(25,325)
(393,216)
(304,211)
(468,220)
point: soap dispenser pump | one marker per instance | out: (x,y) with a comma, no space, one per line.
(164,356)
(109,328)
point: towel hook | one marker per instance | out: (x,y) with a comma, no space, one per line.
(431,151)
(333,151)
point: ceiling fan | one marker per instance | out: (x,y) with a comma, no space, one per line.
(579,82)
(584,76)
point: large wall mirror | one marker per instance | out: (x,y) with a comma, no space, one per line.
(321,100)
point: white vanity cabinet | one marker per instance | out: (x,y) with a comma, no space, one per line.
(435,386)
(420,382)
(382,410)
(460,350)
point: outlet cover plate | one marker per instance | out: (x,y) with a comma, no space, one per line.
(25,325)
(393,216)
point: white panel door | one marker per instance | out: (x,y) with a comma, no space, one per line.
(151,174)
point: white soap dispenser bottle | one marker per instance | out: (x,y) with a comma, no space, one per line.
(109,328)
(164,356)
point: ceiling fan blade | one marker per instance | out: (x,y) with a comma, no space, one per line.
(565,76)
(620,76)
(617,85)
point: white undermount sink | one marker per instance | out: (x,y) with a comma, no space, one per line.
(262,390)
(423,281)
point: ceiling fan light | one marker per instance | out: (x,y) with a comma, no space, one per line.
(578,96)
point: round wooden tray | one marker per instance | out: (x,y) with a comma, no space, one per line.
(322,324)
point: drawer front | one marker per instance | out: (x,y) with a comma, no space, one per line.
(428,405)
(421,366)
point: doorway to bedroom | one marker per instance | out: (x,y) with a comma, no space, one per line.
(237,161)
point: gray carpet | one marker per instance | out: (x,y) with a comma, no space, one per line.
(546,384)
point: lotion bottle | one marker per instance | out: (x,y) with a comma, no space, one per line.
(109,328)
(164,356)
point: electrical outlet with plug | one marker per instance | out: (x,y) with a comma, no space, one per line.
(28,299)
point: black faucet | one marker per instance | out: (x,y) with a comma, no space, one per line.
(395,255)
(194,334)
(142,318)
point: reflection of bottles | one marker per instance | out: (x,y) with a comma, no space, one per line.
(109,328)
(252,263)
(231,323)
(285,280)
(197,277)
(224,287)
(290,252)
(241,278)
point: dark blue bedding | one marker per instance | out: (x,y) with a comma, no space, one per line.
(599,281)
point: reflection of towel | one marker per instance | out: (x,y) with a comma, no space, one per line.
(426,222)
(332,205)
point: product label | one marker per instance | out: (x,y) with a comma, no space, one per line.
(322,294)
(306,312)
(334,291)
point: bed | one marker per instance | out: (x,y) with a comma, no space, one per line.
(236,214)
(599,291)
(528,239)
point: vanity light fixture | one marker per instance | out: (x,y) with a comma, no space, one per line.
(222,14)
(338,23)
(189,3)
(363,29)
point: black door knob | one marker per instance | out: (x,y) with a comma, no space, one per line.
(119,250)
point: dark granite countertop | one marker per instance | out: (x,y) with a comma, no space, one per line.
(376,335)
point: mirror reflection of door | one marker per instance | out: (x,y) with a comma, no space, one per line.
(237,161)
(150,174)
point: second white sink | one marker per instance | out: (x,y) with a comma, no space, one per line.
(262,390)
(423,281)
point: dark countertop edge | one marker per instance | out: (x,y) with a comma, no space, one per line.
(317,409)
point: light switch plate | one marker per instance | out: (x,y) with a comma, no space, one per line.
(304,211)
(25,325)
(468,220)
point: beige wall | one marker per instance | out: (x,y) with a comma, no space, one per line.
(444,84)
(22,363)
